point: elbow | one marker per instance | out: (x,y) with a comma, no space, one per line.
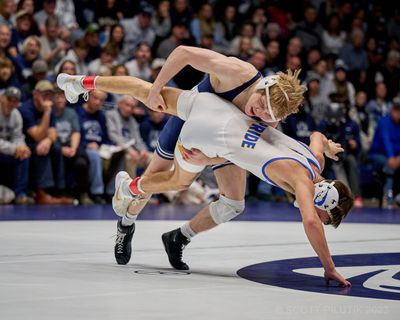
(311,223)
(316,135)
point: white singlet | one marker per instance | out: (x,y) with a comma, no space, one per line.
(219,129)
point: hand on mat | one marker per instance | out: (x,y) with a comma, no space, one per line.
(332,149)
(336,276)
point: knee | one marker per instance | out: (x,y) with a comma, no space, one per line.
(224,209)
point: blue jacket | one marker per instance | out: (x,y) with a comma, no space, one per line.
(387,138)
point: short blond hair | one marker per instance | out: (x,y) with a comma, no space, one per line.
(286,96)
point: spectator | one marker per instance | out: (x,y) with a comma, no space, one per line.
(7,76)
(273,32)
(25,27)
(49,9)
(92,39)
(5,40)
(137,30)
(180,13)
(299,126)
(151,127)
(343,89)
(355,57)
(107,58)
(77,55)
(26,5)
(394,25)
(118,70)
(116,39)
(380,106)
(390,73)
(108,13)
(385,151)
(29,53)
(14,153)
(226,28)
(7,10)
(272,57)
(53,49)
(75,158)
(68,67)
(309,31)
(315,103)
(321,68)
(362,117)
(65,11)
(178,34)
(245,48)
(259,21)
(339,127)
(313,56)
(39,72)
(93,134)
(294,48)
(247,31)
(258,60)
(333,38)
(123,128)
(41,136)
(161,20)
(140,66)
(204,23)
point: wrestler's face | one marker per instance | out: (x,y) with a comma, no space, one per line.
(255,107)
(323,215)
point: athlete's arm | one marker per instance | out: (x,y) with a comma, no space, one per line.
(304,192)
(321,146)
(222,69)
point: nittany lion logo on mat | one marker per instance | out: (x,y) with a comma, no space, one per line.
(371,275)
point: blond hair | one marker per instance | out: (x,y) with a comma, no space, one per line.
(286,96)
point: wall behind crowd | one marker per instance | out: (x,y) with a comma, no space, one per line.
(348,52)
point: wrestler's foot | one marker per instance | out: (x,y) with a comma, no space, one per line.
(123,197)
(123,247)
(174,243)
(72,86)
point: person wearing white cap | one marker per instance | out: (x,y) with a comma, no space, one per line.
(221,131)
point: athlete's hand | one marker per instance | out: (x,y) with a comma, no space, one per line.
(336,276)
(155,101)
(333,148)
(195,156)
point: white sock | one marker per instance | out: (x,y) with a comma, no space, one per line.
(187,231)
(129,219)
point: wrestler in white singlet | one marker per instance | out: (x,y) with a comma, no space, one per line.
(219,129)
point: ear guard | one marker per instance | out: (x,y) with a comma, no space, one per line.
(265,84)
(326,196)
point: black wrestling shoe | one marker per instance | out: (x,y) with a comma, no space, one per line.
(174,243)
(123,247)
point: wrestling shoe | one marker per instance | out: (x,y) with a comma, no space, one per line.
(174,243)
(123,247)
(72,87)
(122,196)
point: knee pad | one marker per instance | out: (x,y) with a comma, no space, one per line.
(224,209)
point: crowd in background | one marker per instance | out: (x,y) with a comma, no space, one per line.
(55,152)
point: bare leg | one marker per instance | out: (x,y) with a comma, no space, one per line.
(157,164)
(232,184)
(159,182)
(137,88)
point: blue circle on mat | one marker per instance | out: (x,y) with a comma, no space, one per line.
(281,273)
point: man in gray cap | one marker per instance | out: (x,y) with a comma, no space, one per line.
(14,154)
(41,136)
(39,72)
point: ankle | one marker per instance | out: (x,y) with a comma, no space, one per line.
(89,82)
(135,187)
